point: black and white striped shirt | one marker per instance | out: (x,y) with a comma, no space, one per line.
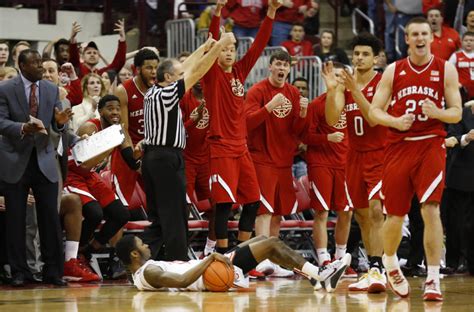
(163,120)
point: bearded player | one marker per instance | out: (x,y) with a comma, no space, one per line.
(420,87)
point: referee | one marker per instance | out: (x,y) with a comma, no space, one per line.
(165,139)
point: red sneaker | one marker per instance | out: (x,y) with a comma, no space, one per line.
(350,273)
(75,271)
(254,274)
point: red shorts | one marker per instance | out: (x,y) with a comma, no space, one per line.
(90,189)
(278,193)
(124,179)
(364,176)
(413,167)
(328,189)
(197,180)
(233,180)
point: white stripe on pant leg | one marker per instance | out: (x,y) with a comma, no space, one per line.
(319,196)
(349,200)
(188,199)
(376,188)
(119,191)
(432,187)
(295,207)
(226,187)
(79,191)
(266,204)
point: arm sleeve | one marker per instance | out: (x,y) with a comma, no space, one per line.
(74,92)
(119,59)
(214,27)
(310,136)
(458,18)
(255,109)
(250,58)
(9,128)
(74,55)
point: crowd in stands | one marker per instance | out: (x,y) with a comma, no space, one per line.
(102,188)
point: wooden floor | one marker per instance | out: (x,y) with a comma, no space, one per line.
(270,295)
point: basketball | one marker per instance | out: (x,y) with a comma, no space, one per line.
(218,277)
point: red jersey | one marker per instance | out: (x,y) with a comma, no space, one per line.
(273,137)
(322,152)
(303,48)
(135,110)
(411,86)
(362,137)
(446,44)
(197,148)
(464,64)
(224,94)
(245,13)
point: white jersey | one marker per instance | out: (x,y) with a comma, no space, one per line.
(181,267)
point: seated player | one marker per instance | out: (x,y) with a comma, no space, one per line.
(98,199)
(155,275)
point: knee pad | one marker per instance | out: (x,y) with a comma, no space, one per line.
(247,217)
(92,212)
(221,218)
(117,211)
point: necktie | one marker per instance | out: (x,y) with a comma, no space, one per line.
(33,101)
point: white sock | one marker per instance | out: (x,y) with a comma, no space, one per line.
(210,246)
(391,262)
(71,250)
(311,270)
(323,255)
(433,273)
(340,251)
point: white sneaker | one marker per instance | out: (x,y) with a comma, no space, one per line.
(317,286)
(281,272)
(266,267)
(361,285)
(331,274)
(377,281)
(398,283)
(432,291)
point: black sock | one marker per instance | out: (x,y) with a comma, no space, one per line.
(221,250)
(376,262)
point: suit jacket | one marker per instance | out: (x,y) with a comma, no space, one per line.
(460,169)
(15,149)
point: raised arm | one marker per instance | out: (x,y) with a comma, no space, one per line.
(459,16)
(195,71)
(216,19)
(335,100)
(158,278)
(453,111)
(73,49)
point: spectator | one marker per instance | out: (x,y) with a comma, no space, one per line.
(311,20)
(464,62)
(30,164)
(7,73)
(327,50)
(246,16)
(183,56)
(298,46)
(404,10)
(4,53)
(109,78)
(17,48)
(381,62)
(124,74)
(91,54)
(445,39)
(70,91)
(61,50)
(92,89)
(459,195)
(461,29)
(290,12)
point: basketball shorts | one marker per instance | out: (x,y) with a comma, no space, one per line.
(413,167)
(124,179)
(197,180)
(233,180)
(328,189)
(277,191)
(364,176)
(89,189)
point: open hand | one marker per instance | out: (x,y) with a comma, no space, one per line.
(120,28)
(62,117)
(76,28)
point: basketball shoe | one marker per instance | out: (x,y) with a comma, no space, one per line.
(76,271)
(331,274)
(377,281)
(432,291)
(361,285)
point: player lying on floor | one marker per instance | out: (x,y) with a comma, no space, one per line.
(178,275)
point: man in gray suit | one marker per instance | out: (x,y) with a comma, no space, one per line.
(28,160)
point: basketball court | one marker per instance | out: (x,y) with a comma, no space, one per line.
(271,295)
